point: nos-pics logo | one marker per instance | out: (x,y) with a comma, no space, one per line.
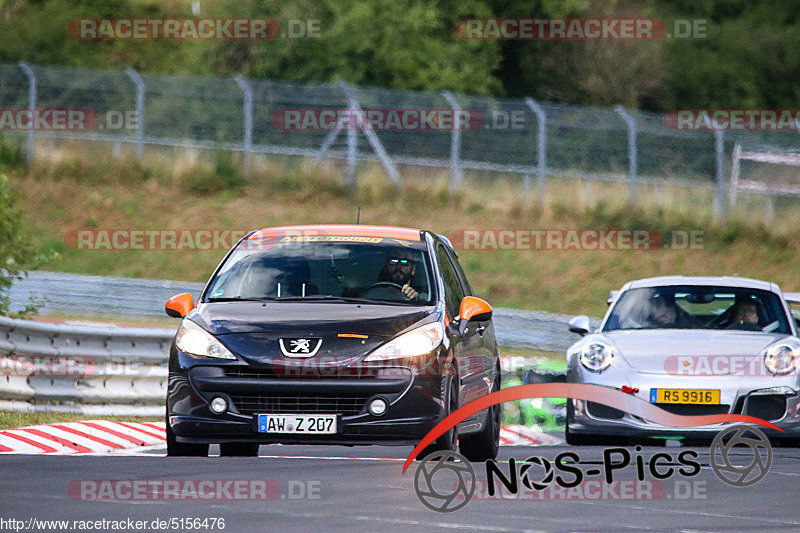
(445,481)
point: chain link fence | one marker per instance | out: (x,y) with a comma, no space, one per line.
(538,141)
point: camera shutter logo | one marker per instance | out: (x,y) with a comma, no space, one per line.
(448,466)
(722,455)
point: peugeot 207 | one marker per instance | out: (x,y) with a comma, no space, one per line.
(332,335)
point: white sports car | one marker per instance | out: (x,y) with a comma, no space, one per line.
(692,346)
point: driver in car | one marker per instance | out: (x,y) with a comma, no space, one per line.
(399,269)
(665,313)
(745,315)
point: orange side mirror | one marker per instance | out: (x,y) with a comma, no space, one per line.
(179,305)
(474,310)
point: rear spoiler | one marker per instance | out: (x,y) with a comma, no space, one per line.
(612,295)
(792,297)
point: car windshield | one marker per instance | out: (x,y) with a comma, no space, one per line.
(326,268)
(698,307)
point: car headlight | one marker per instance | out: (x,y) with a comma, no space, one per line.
(414,343)
(195,340)
(597,356)
(781,358)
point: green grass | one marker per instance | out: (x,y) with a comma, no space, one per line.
(75,187)
(15,420)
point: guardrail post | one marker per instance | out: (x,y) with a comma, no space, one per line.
(248,121)
(720,206)
(455,145)
(541,162)
(633,167)
(31,147)
(135,78)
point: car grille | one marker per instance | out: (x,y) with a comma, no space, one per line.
(598,410)
(346,405)
(768,407)
(247,372)
(694,409)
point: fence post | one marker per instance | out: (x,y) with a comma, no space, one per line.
(369,133)
(734,184)
(455,145)
(31,147)
(135,78)
(769,208)
(720,207)
(248,121)
(633,168)
(352,139)
(541,162)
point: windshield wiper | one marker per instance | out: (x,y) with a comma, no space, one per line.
(348,299)
(235,299)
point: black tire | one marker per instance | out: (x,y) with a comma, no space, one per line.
(574,439)
(183,449)
(238,449)
(448,440)
(485,444)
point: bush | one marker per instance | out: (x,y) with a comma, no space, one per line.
(17,254)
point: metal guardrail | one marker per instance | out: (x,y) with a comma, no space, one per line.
(98,370)
(77,294)
(103,370)
(109,370)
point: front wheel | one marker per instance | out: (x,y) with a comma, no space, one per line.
(183,449)
(485,444)
(575,439)
(448,440)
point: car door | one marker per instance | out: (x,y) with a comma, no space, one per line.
(467,349)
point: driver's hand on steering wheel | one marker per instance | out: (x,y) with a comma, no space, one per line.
(409,292)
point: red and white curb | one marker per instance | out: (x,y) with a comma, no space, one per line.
(104,436)
(516,435)
(84,437)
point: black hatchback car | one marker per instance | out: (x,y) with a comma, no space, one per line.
(332,335)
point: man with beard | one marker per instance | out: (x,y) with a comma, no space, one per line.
(400,269)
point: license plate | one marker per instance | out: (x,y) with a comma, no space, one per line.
(692,396)
(304,424)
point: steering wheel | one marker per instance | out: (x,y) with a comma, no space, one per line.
(389,284)
(720,322)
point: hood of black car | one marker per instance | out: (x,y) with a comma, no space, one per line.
(256,330)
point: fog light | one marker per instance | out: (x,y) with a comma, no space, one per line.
(377,406)
(219,405)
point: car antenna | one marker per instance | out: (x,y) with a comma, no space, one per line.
(358,216)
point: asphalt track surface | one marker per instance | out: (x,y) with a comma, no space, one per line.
(364,489)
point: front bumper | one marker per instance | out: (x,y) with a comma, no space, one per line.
(774,399)
(413,398)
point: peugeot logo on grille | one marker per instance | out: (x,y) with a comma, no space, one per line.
(300,346)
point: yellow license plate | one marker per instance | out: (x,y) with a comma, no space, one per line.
(696,396)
